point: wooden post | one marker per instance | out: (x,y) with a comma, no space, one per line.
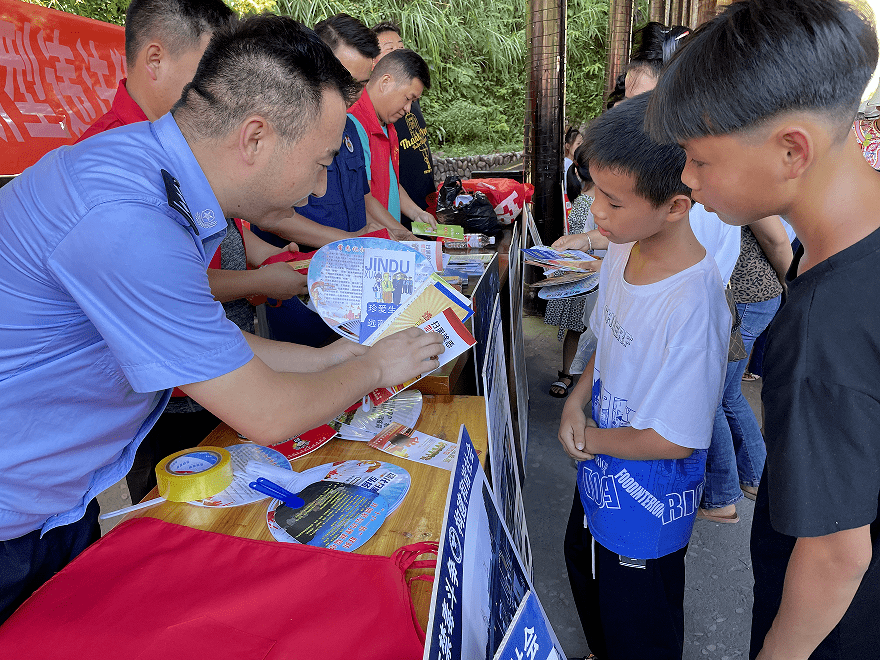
(620,25)
(545,114)
(657,11)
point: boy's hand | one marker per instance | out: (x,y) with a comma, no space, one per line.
(572,429)
(572,242)
(405,355)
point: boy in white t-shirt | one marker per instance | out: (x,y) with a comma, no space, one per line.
(663,328)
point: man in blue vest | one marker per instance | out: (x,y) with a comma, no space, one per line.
(347,208)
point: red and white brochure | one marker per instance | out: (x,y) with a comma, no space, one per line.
(305,443)
(456,340)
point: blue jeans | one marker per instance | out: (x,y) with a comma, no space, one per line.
(737,453)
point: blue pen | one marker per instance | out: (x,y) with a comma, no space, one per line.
(263,485)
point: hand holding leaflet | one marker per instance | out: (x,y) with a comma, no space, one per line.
(406,355)
(447,231)
(453,338)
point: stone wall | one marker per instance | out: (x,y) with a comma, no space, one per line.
(464,165)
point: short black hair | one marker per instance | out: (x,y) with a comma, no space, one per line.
(179,24)
(403,65)
(761,58)
(571,135)
(385,26)
(343,29)
(266,64)
(616,140)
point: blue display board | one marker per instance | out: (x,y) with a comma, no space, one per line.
(530,636)
(480,581)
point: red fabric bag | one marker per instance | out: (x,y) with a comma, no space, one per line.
(151,590)
(507,196)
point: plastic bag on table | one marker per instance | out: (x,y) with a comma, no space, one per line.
(473,211)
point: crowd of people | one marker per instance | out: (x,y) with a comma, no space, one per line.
(126,328)
(659,426)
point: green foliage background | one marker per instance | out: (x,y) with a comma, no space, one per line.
(476,50)
(478,57)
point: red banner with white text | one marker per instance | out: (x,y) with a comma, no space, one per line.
(59,74)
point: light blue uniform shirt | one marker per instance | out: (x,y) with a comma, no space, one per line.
(104,306)
(394,189)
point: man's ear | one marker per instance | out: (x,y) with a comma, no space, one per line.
(153,56)
(677,208)
(255,137)
(386,83)
(796,148)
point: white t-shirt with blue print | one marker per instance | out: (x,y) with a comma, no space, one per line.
(660,363)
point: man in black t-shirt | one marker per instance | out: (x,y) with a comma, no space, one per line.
(782,146)
(416,163)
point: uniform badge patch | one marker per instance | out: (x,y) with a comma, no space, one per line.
(176,200)
(347,142)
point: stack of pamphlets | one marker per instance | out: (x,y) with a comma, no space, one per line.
(471,264)
(566,271)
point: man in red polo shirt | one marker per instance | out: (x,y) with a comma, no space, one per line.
(398,80)
(164,42)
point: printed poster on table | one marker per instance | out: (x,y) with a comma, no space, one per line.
(335,515)
(480,580)
(345,504)
(413,445)
(363,425)
(483,302)
(238,493)
(305,443)
(502,454)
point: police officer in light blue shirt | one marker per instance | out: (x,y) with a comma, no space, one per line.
(104,299)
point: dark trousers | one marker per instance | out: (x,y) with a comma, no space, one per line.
(29,561)
(171,433)
(858,633)
(627,613)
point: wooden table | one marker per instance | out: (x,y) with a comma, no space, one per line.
(419,518)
